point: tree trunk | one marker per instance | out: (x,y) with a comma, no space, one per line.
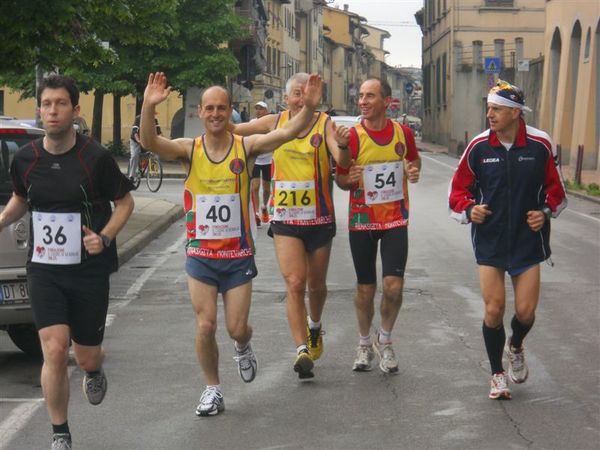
(117,141)
(138,104)
(97,118)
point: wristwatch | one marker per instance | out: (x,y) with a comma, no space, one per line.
(547,212)
(105,240)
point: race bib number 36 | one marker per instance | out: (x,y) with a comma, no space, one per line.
(383,182)
(218,216)
(294,200)
(56,238)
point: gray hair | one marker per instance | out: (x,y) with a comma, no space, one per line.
(300,77)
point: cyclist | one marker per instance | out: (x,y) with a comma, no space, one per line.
(135,148)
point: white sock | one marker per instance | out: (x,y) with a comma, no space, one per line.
(239,348)
(301,348)
(313,325)
(366,340)
(216,387)
(385,337)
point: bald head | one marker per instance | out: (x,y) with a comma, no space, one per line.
(214,91)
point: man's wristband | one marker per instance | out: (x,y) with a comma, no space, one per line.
(343,147)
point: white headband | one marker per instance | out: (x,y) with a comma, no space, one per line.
(499,100)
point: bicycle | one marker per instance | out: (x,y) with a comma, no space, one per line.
(149,166)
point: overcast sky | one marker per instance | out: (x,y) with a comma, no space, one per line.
(398,18)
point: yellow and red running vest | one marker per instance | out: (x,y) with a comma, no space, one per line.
(301,178)
(217,204)
(380,201)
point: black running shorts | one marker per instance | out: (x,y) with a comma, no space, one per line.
(394,252)
(262,171)
(76,298)
(312,236)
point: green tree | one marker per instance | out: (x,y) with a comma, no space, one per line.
(199,56)
(187,39)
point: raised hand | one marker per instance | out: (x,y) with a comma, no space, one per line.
(156,90)
(312,91)
(342,134)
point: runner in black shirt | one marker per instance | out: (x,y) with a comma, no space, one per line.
(67,182)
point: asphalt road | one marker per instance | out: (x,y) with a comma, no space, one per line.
(438,400)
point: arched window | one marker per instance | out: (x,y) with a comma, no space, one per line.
(555,54)
(568,122)
(588,43)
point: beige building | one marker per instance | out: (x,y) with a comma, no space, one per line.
(267,85)
(570,99)
(294,44)
(310,34)
(374,54)
(345,58)
(459,38)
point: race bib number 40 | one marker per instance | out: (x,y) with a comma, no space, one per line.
(294,200)
(218,216)
(383,182)
(56,238)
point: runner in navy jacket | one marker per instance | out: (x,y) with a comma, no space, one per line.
(508,185)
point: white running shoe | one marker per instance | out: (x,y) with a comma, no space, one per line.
(517,367)
(499,387)
(211,403)
(387,359)
(364,356)
(61,441)
(247,364)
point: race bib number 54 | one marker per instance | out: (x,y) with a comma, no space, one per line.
(383,182)
(56,238)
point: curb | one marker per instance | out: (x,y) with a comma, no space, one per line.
(131,247)
(590,198)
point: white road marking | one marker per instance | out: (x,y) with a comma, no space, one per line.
(20,416)
(453,168)
(581,214)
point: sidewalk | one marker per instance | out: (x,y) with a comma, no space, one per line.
(150,217)
(430,147)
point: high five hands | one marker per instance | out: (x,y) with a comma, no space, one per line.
(342,134)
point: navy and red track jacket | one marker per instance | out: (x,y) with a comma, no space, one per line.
(511,182)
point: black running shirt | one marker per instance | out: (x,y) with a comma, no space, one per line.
(83,180)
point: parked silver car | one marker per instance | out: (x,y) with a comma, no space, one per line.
(15,310)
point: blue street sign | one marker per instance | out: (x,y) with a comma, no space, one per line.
(408,88)
(492,65)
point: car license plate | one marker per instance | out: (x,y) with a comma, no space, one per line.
(13,292)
